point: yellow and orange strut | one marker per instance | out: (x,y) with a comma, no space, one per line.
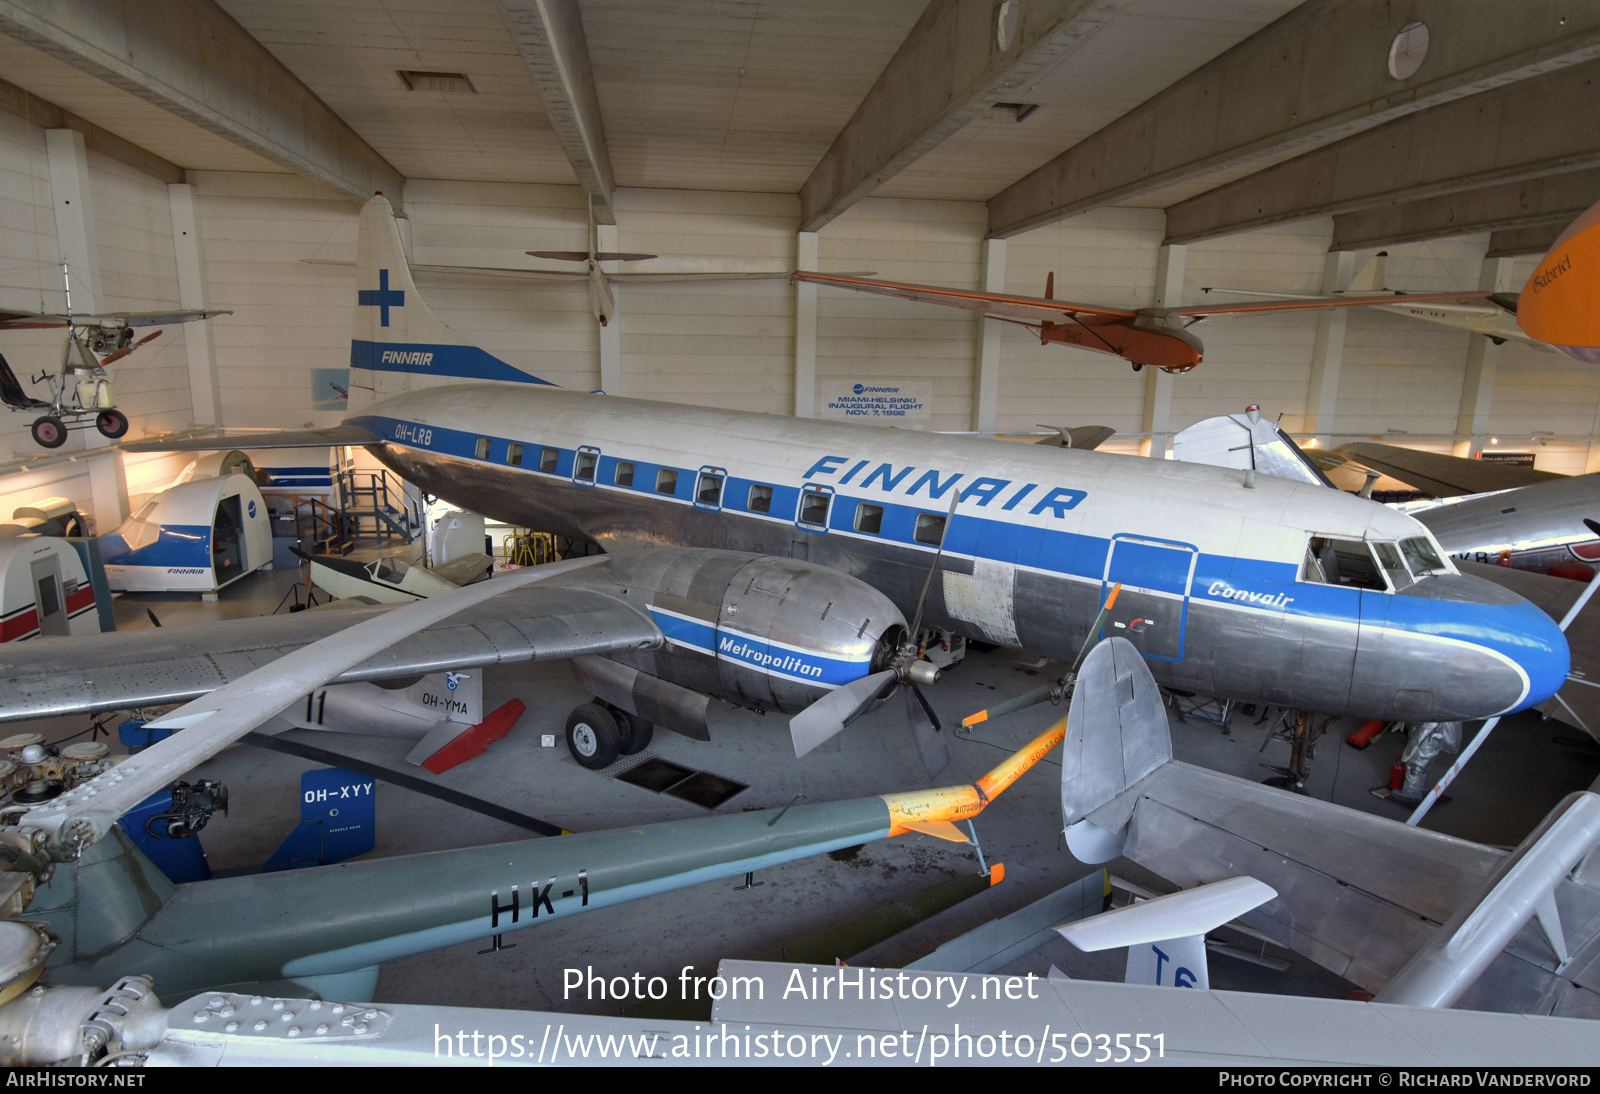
(935,811)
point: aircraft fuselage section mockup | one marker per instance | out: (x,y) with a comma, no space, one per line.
(1215,594)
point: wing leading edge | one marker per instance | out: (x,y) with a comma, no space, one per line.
(130,669)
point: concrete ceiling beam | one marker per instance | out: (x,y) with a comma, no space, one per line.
(47,115)
(1516,242)
(549,36)
(1319,73)
(950,69)
(1538,202)
(190,58)
(1544,125)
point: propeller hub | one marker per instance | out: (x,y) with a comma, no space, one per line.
(921,672)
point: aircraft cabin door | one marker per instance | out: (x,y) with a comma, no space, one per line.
(1153,608)
(47,598)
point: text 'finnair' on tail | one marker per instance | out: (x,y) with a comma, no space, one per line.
(397,344)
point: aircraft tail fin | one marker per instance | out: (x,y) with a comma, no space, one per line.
(1116,735)
(1166,937)
(1373,277)
(397,343)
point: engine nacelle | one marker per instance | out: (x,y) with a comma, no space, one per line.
(762,632)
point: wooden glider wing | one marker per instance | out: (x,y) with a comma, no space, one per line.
(1029,309)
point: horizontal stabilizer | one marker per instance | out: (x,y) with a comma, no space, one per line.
(1190,912)
(450,744)
(940,829)
(285,438)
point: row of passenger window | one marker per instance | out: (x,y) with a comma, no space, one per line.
(814,505)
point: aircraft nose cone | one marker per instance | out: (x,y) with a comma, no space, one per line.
(1482,649)
(1539,647)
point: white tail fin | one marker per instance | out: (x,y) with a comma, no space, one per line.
(1374,276)
(1166,937)
(397,344)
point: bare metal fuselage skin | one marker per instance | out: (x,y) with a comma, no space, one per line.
(1537,525)
(1210,567)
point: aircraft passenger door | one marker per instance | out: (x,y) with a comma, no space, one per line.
(51,605)
(1153,608)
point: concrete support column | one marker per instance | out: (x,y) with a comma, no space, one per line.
(1170,262)
(1483,357)
(986,373)
(1327,351)
(611,333)
(805,329)
(108,491)
(205,395)
(68,161)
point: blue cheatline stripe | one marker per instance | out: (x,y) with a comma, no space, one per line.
(772,658)
(431,359)
(177,545)
(1218,579)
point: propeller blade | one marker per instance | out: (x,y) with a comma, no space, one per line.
(1026,699)
(147,338)
(154,622)
(1040,694)
(1093,636)
(561,256)
(621,256)
(829,715)
(916,622)
(114,357)
(924,722)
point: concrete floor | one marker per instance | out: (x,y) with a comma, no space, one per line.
(1525,768)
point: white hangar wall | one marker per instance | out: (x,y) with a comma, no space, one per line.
(732,343)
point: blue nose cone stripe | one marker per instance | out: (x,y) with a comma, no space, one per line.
(1541,651)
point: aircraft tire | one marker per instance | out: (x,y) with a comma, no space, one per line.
(111,423)
(593,737)
(636,732)
(49,432)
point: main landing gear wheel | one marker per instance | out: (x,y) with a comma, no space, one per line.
(49,432)
(111,423)
(636,732)
(593,736)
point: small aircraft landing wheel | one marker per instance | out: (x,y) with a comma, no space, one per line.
(636,732)
(111,423)
(49,432)
(593,737)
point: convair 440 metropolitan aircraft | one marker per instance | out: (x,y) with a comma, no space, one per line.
(780,558)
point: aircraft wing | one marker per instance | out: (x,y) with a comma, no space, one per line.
(31,321)
(1441,475)
(283,438)
(1359,894)
(1303,303)
(1032,309)
(568,622)
(124,670)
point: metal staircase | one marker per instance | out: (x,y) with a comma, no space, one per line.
(379,506)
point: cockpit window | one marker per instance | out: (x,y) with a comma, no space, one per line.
(1421,557)
(1345,562)
(1389,559)
(391,570)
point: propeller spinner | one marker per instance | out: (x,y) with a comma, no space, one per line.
(828,716)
